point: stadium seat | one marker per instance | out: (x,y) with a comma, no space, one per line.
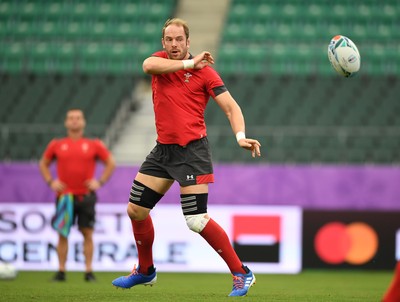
(271,23)
(290,95)
(328,107)
(39,103)
(73,25)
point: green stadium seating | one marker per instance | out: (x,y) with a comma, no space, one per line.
(58,54)
(273,57)
(35,107)
(58,36)
(294,86)
(295,35)
(314,118)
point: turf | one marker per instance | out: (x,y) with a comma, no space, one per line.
(310,285)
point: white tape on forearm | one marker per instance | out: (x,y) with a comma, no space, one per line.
(188,64)
(240,135)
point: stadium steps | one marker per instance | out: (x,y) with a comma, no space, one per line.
(204,35)
(138,136)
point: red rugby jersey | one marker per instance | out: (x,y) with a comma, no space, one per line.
(180,99)
(76,161)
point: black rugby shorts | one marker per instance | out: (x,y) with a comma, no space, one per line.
(84,210)
(189,165)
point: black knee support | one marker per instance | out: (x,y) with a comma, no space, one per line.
(193,204)
(143,196)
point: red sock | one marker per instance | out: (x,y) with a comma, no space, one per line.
(217,238)
(393,292)
(143,232)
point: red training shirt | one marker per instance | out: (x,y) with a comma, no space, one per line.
(180,99)
(76,161)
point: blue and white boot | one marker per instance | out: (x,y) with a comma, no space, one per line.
(135,278)
(242,283)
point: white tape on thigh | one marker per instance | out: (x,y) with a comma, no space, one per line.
(197,222)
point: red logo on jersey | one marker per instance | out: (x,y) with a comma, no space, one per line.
(187,77)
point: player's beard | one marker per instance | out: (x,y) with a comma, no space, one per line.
(181,55)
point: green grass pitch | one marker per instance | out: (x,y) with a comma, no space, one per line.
(310,285)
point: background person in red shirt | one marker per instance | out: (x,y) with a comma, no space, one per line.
(76,158)
(182,86)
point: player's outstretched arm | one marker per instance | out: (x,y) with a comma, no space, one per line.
(236,119)
(157,65)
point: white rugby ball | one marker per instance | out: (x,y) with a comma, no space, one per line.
(344,56)
(7,271)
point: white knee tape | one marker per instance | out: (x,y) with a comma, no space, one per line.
(197,222)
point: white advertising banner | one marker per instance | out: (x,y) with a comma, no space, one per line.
(266,238)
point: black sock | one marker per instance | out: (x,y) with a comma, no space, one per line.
(150,270)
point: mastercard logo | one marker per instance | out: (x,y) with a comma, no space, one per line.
(355,243)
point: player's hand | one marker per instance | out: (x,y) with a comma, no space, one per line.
(251,144)
(203,59)
(93,184)
(57,186)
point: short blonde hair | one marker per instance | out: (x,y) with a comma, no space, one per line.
(176,21)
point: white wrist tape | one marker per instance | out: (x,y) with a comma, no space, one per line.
(240,135)
(188,64)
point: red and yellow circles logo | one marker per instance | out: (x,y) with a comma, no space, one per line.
(355,243)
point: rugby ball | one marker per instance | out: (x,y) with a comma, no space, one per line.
(7,271)
(344,56)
